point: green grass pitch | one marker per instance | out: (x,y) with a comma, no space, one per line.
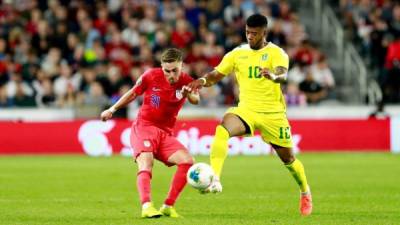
(348,188)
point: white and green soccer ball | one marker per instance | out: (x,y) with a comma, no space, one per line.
(200,176)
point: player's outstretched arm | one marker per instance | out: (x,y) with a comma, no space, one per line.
(128,97)
(208,80)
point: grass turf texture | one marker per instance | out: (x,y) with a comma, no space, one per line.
(348,189)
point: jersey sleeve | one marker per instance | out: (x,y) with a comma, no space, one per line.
(141,83)
(227,64)
(280,59)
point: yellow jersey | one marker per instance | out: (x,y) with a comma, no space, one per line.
(257,93)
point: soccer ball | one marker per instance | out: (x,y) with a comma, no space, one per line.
(200,176)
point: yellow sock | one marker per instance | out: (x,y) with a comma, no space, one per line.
(219,149)
(297,170)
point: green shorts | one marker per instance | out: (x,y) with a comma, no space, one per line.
(274,127)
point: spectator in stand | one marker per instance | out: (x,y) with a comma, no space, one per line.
(148,24)
(45,94)
(182,37)
(195,54)
(192,12)
(66,80)
(51,62)
(146,59)
(233,12)
(5,101)
(293,96)
(276,34)
(96,96)
(161,42)
(42,41)
(304,53)
(392,66)
(32,26)
(298,72)
(168,11)
(212,52)
(130,35)
(102,20)
(379,41)
(88,34)
(70,99)
(115,48)
(312,89)
(322,74)
(395,22)
(393,54)
(210,97)
(297,33)
(19,91)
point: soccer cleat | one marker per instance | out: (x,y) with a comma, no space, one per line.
(169,211)
(305,203)
(149,211)
(215,187)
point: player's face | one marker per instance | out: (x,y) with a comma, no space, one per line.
(256,36)
(172,71)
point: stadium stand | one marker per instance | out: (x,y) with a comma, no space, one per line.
(87,53)
(374,27)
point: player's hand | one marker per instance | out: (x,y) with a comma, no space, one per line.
(266,73)
(195,85)
(187,90)
(106,115)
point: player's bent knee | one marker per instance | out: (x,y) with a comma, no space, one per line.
(144,163)
(288,160)
(233,126)
(187,160)
(146,167)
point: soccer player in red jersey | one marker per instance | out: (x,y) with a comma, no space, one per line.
(165,92)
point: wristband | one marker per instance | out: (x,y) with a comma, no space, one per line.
(204,80)
(273,76)
(112,109)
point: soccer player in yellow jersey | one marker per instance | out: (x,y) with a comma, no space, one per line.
(260,67)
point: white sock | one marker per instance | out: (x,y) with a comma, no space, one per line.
(146,205)
(306,192)
(166,206)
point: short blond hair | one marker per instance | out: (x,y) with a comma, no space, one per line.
(171,55)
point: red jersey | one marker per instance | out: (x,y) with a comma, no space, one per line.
(162,100)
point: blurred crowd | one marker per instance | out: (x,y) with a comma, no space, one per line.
(60,53)
(375,24)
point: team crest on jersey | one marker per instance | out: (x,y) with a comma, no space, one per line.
(178,94)
(146,143)
(264,57)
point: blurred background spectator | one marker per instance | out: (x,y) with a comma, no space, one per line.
(374,26)
(87,53)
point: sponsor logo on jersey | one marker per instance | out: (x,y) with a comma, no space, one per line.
(146,143)
(156,89)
